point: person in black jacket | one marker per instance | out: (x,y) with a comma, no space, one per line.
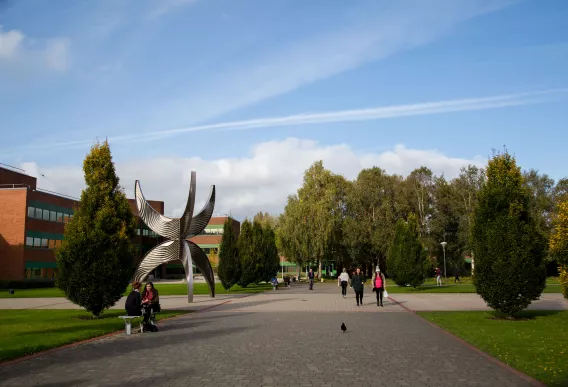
(133,301)
(311,277)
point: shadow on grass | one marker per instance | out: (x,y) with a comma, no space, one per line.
(525,315)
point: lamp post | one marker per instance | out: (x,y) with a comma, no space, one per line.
(282,266)
(444,248)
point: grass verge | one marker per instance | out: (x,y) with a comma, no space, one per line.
(465,288)
(25,332)
(164,289)
(536,344)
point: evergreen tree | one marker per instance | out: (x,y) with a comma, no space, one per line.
(258,251)
(229,269)
(509,249)
(559,244)
(246,255)
(96,259)
(271,256)
(406,258)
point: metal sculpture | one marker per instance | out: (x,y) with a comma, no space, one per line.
(178,231)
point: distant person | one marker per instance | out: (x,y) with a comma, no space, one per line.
(438,276)
(150,303)
(311,277)
(134,301)
(343,281)
(457,275)
(357,283)
(379,285)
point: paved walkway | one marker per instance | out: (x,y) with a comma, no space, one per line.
(287,337)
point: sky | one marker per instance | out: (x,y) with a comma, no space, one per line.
(250,93)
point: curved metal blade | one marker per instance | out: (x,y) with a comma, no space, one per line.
(160,224)
(201,261)
(187,217)
(162,253)
(200,221)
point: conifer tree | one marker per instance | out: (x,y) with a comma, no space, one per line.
(96,259)
(406,257)
(270,252)
(246,255)
(509,249)
(229,269)
(258,251)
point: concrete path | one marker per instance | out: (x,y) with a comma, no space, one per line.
(288,337)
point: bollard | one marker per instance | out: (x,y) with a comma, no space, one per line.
(128,328)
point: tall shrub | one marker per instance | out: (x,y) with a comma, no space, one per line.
(246,255)
(406,258)
(559,244)
(271,256)
(229,269)
(96,258)
(258,251)
(509,250)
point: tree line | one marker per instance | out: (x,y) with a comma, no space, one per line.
(249,258)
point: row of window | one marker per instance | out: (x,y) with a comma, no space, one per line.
(146,232)
(42,243)
(52,216)
(212,231)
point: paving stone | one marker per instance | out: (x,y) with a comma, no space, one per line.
(287,337)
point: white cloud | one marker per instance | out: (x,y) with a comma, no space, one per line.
(16,48)
(10,42)
(57,54)
(259,182)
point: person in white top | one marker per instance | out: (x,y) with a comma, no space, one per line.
(343,280)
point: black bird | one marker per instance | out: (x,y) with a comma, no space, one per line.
(343,327)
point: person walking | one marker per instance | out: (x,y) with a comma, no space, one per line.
(379,285)
(311,277)
(438,276)
(457,275)
(343,281)
(358,283)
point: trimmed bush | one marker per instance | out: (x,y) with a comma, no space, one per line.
(509,251)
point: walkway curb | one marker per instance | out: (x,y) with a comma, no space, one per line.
(487,356)
(92,339)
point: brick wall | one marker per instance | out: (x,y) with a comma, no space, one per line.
(12,230)
(8,176)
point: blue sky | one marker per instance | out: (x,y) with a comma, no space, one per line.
(132,70)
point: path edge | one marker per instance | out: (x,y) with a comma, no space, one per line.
(487,356)
(92,339)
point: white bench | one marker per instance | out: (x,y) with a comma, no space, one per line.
(128,323)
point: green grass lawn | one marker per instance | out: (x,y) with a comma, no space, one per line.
(164,289)
(25,332)
(465,288)
(538,346)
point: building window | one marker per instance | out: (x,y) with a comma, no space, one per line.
(59,217)
(57,243)
(45,215)
(29,241)
(37,242)
(31,212)
(38,213)
(53,216)
(44,243)
(52,243)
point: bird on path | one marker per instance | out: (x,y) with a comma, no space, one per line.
(343,327)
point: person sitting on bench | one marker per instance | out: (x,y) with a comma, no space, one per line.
(150,303)
(133,301)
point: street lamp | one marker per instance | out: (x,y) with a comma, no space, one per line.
(444,248)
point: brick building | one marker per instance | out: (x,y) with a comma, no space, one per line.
(32,221)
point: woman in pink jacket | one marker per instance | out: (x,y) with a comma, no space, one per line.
(379,285)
